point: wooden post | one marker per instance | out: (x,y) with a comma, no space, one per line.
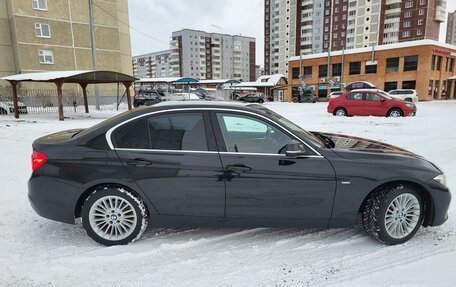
(84,94)
(59,85)
(127,90)
(15,105)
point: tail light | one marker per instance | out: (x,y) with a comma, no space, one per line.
(330,102)
(38,159)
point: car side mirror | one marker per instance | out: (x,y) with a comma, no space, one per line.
(295,148)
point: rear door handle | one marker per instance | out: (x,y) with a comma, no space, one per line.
(139,162)
(238,168)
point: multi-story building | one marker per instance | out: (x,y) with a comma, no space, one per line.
(203,55)
(294,27)
(41,35)
(427,66)
(152,65)
(451,29)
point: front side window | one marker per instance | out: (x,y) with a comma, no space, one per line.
(176,131)
(246,134)
(46,57)
(39,4)
(355,96)
(42,30)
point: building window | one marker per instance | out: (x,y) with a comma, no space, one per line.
(451,65)
(392,65)
(407,24)
(410,63)
(419,32)
(439,63)
(336,70)
(420,21)
(409,85)
(39,4)
(422,2)
(322,71)
(371,69)
(295,73)
(434,58)
(421,11)
(46,57)
(409,4)
(307,72)
(407,14)
(405,34)
(390,86)
(355,68)
(42,30)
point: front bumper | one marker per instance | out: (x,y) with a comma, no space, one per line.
(441,199)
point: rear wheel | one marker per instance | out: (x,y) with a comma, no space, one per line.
(114,216)
(395,113)
(394,214)
(341,112)
(295,100)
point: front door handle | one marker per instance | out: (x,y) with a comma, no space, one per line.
(139,162)
(238,168)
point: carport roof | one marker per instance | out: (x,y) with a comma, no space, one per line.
(74,76)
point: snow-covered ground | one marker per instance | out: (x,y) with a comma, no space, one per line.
(38,252)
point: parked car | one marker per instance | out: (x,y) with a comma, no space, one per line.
(191,164)
(7,108)
(335,94)
(252,98)
(147,98)
(368,102)
(405,94)
(305,98)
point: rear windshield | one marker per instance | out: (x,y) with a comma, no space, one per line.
(108,121)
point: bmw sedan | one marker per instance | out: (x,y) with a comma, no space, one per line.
(220,164)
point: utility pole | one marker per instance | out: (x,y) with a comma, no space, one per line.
(94,53)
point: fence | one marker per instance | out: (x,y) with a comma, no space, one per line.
(45,101)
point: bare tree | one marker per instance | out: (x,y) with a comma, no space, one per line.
(73,98)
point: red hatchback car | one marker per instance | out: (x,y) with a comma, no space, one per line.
(368,102)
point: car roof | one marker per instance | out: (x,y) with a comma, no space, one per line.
(366,90)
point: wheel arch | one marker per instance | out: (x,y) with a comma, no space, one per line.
(339,108)
(427,199)
(393,108)
(82,198)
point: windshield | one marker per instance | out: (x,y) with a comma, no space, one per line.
(297,130)
(386,95)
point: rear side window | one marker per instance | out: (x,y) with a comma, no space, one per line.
(373,97)
(177,131)
(355,96)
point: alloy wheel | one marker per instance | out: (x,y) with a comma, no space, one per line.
(402,215)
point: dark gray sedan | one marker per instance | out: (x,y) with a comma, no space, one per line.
(218,164)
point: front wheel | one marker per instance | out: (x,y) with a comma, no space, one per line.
(394,214)
(341,112)
(114,216)
(395,113)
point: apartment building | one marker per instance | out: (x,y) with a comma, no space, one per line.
(42,35)
(152,65)
(294,27)
(427,66)
(451,29)
(203,55)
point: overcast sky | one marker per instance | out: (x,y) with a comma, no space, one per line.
(153,21)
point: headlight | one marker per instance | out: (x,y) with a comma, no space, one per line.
(410,105)
(441,178)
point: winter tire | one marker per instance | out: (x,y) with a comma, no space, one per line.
(114,216)
(395,113)
(341,112)
(394,214)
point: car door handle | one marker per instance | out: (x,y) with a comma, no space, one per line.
(238,168)
(138,162)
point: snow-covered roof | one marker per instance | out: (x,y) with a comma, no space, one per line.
(73,76)
(264,81)
(168,80)
(408,44)
(221,81)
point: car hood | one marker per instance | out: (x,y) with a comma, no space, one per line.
(362,145)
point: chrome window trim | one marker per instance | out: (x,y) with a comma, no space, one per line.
(111,130)
(164,150)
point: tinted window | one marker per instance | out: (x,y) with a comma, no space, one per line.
(392,65)
(179,131)
(250,135)
(132,135)
(410,63)
(355,68)
(355,96)
(183,131)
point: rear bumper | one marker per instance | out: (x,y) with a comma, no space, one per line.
(53,199)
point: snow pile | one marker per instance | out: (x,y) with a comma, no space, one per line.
(38,252)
